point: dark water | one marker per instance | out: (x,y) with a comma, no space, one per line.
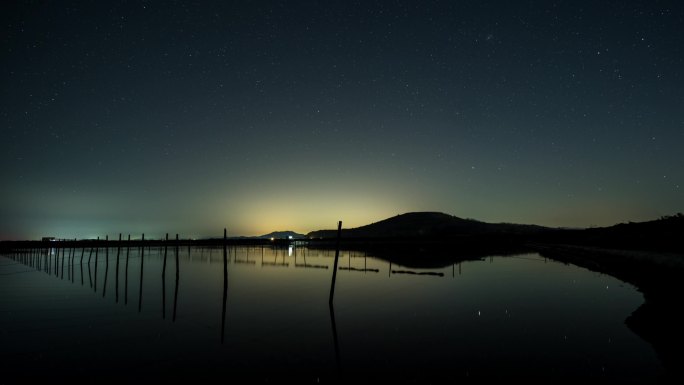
(519,316)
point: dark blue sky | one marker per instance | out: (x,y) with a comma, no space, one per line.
(257,116)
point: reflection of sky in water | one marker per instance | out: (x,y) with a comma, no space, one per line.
(505,314)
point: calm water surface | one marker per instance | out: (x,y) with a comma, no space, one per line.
(501,316)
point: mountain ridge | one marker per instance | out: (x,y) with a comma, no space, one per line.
(427,224)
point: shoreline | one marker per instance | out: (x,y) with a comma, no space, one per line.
(657,275)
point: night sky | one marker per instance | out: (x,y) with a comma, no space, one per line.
(188,117)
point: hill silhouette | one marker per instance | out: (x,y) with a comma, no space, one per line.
(282,235)
(663,234)
(427,225)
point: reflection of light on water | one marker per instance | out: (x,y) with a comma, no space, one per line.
(289,251)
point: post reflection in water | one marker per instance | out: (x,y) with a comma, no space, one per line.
(142,263)
(104,285)
(128,251)
(90,276)
(225,285)
(118,252)
(334,333)
(97,250)
(164,278)
(70,267)
(63,252)
(62,274)
(175,291)
(81,263)
(414,319)
(365,269)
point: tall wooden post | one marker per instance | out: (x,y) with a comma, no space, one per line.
(104,285)
(63,262)
(118,252)
(128,252)
(225,284)
(82,254)
(337,256)
(165,251)
(175,294)
(97,249)
(164,278)
(142,265)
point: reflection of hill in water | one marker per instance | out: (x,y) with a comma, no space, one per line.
(429,239)
(436,258)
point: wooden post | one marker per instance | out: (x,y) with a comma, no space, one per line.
(57,262)
(142,265)
(225,284)
(104,286)
(62,262)
(97,250)
(73,265)
(118,252)
(128,251)
(337,256)
(82,253)
(69,265)
(175,294)
(165,250)
(164,278)
(90,277)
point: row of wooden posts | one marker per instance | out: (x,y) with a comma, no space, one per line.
(38,263)
(37,259)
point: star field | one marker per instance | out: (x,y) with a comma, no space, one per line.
(193,116)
